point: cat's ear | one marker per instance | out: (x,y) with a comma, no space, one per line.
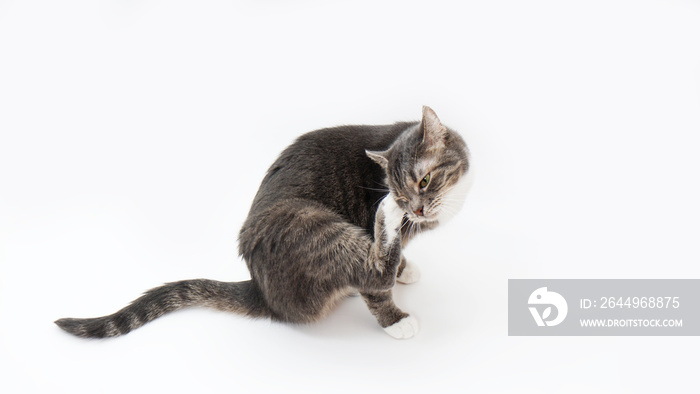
(380,158)
(433,131)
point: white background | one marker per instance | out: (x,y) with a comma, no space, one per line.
(134,135)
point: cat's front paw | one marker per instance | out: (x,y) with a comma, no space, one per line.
(392,216)
(404,328)
(410,274)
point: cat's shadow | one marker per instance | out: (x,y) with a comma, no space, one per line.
(345,320)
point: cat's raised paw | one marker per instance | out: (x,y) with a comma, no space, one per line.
(404,328)
(410,274)
(393,215)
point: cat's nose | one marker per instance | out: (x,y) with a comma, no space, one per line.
(419,211)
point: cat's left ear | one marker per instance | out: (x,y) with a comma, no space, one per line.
(380,158)
(433,131)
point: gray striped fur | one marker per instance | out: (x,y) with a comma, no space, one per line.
(315,231)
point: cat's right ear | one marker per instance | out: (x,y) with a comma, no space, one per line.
(433,131)
(380,158)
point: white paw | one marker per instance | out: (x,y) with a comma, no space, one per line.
(404,328)
(393,215)
(410,274)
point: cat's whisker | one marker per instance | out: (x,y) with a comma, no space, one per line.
(453,199)
(378,201)
(450,211)
(455,196)
(412,230)
(398,232)
(380,184)
(373,189)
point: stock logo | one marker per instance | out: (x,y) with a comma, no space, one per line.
(541,297)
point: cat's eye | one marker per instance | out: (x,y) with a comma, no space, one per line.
(424,182)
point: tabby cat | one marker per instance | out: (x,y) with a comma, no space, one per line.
(330,219)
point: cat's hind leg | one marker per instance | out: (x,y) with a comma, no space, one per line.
(407,273)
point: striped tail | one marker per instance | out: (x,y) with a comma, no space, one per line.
(238,297)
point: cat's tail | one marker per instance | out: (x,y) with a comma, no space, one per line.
(239,297)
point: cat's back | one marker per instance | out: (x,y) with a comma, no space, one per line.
(329,166)
(342,144)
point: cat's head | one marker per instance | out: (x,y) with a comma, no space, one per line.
(427,170)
